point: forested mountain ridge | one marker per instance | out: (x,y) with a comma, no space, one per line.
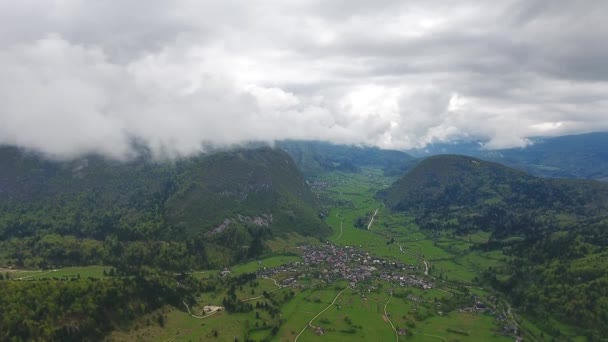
(206,208)
(439,182)
(554,232)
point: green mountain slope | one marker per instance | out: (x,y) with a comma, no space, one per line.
(261,183)
(450,185)
(216,209)
(553,231)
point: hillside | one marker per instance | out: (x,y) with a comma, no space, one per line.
(448,182)
(315,157)
(209,205)
(554,231)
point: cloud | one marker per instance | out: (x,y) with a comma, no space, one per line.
(94,77)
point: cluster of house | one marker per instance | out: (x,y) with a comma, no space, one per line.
(479,306)
(407,280)
(289,268)
(330,263)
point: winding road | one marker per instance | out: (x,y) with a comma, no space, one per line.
(319,314)
(271,291)
(213,312)
(426,264)
(389,320)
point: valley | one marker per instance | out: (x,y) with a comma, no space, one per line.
(240,245)
(303,171)
(391,282)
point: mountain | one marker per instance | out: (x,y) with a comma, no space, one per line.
(553,232)
(452,180)
(315,157)
(211,205)
(466,193)
(574,156)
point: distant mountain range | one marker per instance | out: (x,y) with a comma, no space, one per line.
(573,156)
(315,157)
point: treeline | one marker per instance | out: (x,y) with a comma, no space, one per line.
(85,309)
(558,270)
(564,273)
(201,252)
(55,251)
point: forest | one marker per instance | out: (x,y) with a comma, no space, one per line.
(554,231)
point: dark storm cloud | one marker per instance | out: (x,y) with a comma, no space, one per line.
(91,77)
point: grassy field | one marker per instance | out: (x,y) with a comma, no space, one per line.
(269,262)
(67,272)
(396,236)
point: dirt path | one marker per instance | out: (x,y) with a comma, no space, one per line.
(341,229)
(426,264)
(389,320)
(214,310)
(36,275)
(260,296)
(320,313)
(372,220)
(440,337)
(509,313)
(274,280)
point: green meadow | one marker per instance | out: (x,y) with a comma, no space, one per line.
(67,272)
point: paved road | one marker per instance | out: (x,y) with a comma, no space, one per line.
(372,220)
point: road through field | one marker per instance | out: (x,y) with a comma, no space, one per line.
(320,313)
(426,264)
(389,320)
(341,228)
(372,220)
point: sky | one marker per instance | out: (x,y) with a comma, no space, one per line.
(100,77)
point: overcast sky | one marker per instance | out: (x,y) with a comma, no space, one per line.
(81,77)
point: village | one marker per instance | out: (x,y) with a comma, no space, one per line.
(330,263)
